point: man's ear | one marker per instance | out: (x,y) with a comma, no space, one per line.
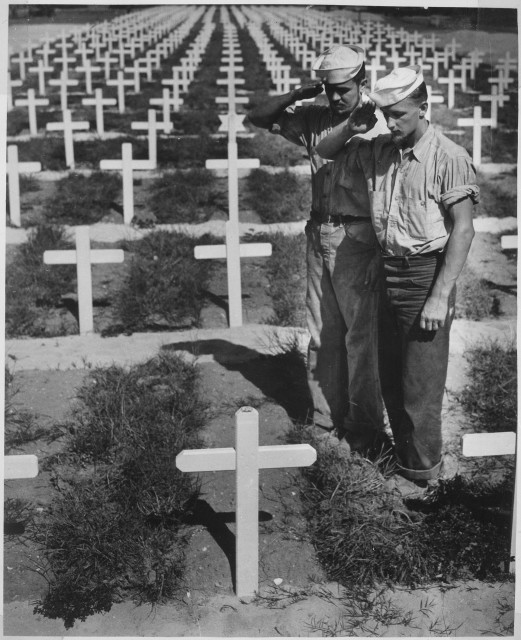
(363,83)
(423,109)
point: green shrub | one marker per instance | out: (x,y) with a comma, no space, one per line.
(190,196)
(165,284)
(80,199)
(115,531)
(279,197)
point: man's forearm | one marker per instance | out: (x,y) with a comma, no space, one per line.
(268,112)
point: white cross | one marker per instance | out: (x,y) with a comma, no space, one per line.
(152,127)
(68,126)
(107,61)
(478,445)
(437,58)
(476,122)
(233,250)
(145,66)
(127,165)
(84,52)
(431,99)
(14,169)
(507,63)
(10,85)
(88,70)
(22,60)
(496,100)
(19,467)
(65,64)
(451,81)
(465,65)
(120,83)
(395,59)
(83,256)
(45,51)
(41,70)
(246,459)
(166,102)
(136,70)
(63,83)
(502,81)
(508,242)
(98,101)
(31,103)
(282,80)
(451,47)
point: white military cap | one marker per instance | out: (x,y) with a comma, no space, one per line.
(396,86)
(339,63)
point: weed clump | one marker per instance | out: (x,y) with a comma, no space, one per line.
(190,196)
(165,284)
(32,285)
(115,528)
(490,397)
(475,300)
(279,197)
(80,199)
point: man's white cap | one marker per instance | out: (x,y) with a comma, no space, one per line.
(396,86)
(339,63)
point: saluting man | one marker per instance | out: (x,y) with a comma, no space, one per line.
(341,300)
(422,188)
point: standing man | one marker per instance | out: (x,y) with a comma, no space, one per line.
(422,188)
(341,250)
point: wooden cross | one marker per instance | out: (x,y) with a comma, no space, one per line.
(507,63)
(41,69)
(31,103)
(437,58)
(431,99)
(476,122)
(478,445)
(98,101)
(451,47)
(502,81)
(451,81)
(127,165)
(233,250)
(120,83)
(165,102)
(22,60)
(14,169)
(152,127)
(68,126)
(83,256)
(107,61)
(45,51)
(63,82)
(496,100)
(88,70)
(246,459)
(19,467)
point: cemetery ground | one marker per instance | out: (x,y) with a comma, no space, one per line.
(150,551)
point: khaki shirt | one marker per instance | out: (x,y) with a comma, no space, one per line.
(332,193)
(411,190)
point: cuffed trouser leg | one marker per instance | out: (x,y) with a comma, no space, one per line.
(413,366)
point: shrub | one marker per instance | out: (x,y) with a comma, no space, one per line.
(191,196)
(490,397)
(279,197)
(272,149)
(31,284)
(474,299)
(80,199)
(165,284)
(116,531)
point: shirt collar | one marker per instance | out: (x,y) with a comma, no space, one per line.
(421,148)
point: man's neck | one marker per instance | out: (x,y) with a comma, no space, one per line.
(417,134)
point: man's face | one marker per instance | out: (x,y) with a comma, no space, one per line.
(343,97)
(403,120)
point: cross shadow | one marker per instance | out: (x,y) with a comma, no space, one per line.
(280,377)
(222,301)
(203,514)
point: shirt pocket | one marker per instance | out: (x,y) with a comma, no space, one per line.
(423,219)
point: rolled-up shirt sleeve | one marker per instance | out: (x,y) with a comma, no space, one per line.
(459,181)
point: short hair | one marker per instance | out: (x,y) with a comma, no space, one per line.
(420,94)
(360,74)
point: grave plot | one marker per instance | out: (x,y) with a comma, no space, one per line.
(181,109)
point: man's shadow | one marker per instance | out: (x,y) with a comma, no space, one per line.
(280,377)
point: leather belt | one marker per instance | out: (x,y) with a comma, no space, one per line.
(337,219)
(412,256)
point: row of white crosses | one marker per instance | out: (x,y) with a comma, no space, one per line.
(232,250)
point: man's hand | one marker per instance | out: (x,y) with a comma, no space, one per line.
(363,118)
(308,90)
(434,313)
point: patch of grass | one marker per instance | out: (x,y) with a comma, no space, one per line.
(116,531)
(165,284)
(18,515)
(490,397)
(271,149)
(28,183)
(79,199)
(287,278)
(191,196)
(32,285)
(498,196)
(279,197)
(474,300)
(20,427)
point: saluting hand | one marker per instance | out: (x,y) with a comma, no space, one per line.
(363,118)
(309,90)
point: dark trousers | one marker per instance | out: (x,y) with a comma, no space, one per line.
(413,363)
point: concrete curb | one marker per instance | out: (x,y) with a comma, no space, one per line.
(228,345)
